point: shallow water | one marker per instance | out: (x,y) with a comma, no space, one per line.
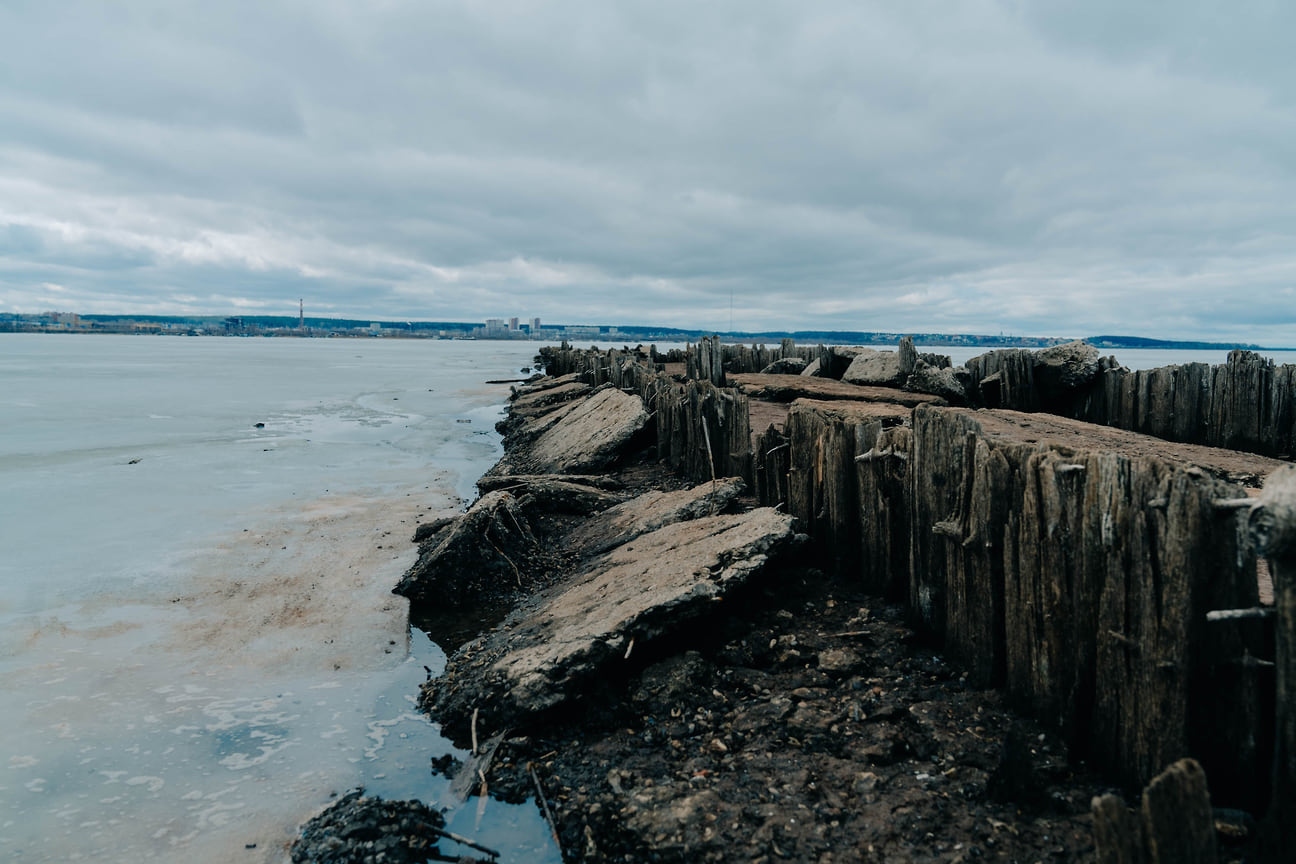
(198,646)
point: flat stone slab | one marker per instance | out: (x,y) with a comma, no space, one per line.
(785,388)
(551,649)
(587,436)
(519,429)
(650,511)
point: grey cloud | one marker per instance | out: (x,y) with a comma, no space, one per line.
(981,166)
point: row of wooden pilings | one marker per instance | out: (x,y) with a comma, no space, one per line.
(1079,581)
(1246,403)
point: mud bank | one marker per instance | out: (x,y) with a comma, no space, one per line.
(822,614)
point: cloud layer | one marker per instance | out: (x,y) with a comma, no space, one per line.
(1051,169)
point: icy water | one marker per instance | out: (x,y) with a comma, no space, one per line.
(198,647)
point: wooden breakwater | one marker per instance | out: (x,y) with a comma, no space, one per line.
(1247,403)
(1071,564)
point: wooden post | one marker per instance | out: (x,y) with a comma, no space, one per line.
(1175,825)
(1178,825)
(1273,528)
(1118,834)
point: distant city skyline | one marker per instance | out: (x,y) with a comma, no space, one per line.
(515,328)
(977,167)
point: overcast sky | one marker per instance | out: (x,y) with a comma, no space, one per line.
(1063,169)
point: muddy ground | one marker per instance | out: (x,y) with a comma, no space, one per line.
(805,721)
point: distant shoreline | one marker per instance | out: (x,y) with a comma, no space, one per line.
(288,326)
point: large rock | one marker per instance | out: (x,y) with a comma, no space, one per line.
(785,366)
(555,646)
(1066,366)
(357,829)
(811,370)
(949,384)
(875,368)
(589,436)
(650,511)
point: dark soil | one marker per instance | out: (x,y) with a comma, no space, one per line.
(806,724)
(361,830)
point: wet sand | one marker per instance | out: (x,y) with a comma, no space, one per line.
(272,653)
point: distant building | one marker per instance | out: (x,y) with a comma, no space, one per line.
(513,324)
(63,320)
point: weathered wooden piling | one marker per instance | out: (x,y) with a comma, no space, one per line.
(823,489)
(1074,564)
(1273,526)
(771,464)
(1080,580)
(1245,403)
(706,361)
(701,427)
(1175,824)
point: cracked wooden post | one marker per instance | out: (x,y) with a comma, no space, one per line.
(1273,529)
(1174,826)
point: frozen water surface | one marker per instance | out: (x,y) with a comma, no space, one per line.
(198,644)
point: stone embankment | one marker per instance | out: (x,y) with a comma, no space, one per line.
(834,604)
